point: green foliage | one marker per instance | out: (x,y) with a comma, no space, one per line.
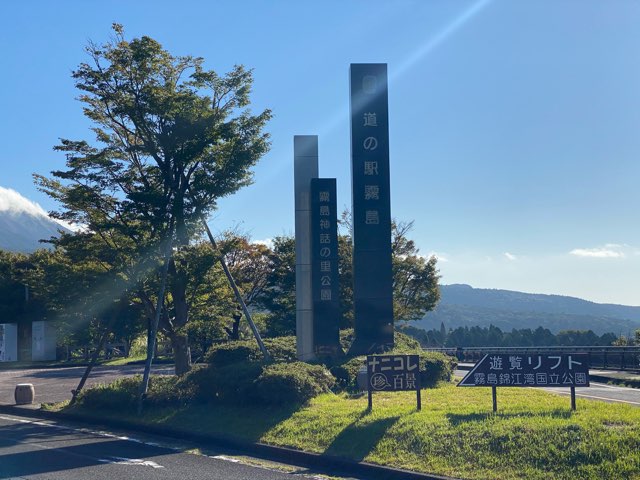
(118,395)
(493,336)
(281,349)
(279,295)
(435,367)
(230,384)
(292,383)
(122,394)
(415,279)
(171,139)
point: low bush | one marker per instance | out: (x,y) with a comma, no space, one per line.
(121,394)
(227,384)
(435,367)
(287,383)
(281,349)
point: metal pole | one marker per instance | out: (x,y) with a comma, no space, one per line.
(94,360)
(151,344)
(419,400)
(573,398)
(370,395)
(494,394)
(238,295)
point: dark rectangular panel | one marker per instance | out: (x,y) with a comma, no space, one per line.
(324,267)
(371,208)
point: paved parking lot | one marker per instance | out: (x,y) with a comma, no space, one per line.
(55,384)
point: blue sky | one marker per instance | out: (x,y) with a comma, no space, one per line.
(515,126)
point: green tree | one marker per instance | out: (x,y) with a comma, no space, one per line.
(172,139)
(278,296)
(415,279)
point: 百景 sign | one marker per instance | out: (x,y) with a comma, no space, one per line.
(393,372)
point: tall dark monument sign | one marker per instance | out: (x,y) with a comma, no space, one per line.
(324,268)
(371,208)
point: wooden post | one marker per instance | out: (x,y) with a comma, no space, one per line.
(370,395)
(419,400)
(573,398)
(494,394)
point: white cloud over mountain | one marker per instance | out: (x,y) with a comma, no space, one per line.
(12,202)
(15,204)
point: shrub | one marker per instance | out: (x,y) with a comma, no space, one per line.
(435,367)
(229,383)
(121,394)
(164,390)
(281,349)
(296,382)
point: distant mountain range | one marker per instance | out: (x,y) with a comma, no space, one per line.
(23,223)
(463,305)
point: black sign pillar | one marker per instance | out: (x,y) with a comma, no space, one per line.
(324,268)
(371,209)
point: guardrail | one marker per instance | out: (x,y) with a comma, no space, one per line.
(605,358)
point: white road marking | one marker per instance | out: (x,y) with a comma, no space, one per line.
(130,461)
(90,432)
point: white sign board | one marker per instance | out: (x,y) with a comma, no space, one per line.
(43,341)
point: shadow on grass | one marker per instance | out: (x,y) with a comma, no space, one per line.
(457,419)
(357,440)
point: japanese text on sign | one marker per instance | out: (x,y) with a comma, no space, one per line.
(393,372)
(539,370)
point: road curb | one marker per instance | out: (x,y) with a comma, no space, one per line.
(326,463)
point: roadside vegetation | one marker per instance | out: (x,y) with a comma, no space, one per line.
(318,408)
(534,435)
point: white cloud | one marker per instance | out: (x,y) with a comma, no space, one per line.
(14,203)
(440,257)
(610,250)
(510,256)
(267,242)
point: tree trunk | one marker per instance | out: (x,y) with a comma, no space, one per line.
(181,353)
(179,339)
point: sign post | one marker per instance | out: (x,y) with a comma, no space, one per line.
(393,373)
(541,370)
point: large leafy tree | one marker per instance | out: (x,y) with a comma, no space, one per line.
(171,139)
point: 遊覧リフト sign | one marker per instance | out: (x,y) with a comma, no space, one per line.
(520,370)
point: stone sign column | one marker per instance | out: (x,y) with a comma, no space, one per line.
(371,200)
(324,268)
(305,160)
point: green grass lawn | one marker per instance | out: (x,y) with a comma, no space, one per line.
(534,435)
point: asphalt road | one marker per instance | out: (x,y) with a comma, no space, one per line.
(55,384)
(33,449)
